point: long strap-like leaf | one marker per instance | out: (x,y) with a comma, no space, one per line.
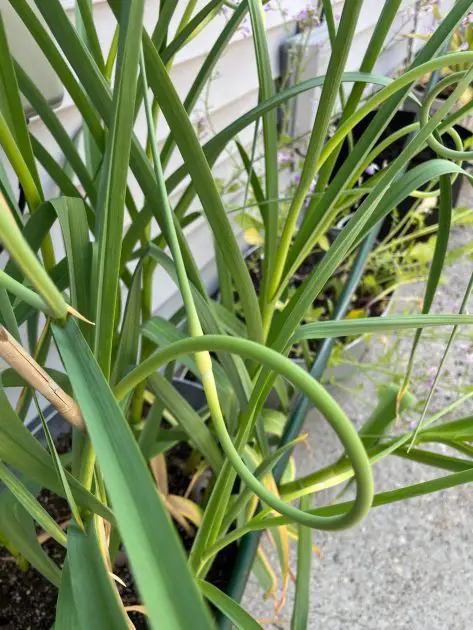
(113,184)
(156,555)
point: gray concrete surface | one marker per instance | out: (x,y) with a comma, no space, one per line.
(408,565)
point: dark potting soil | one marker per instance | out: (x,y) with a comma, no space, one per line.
(28,600)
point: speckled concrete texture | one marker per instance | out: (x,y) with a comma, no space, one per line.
(408,565)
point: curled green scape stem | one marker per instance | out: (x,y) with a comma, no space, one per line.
(322,400)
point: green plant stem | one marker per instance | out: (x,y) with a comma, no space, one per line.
(296,375)
(203,360)
(23,293)
(112,55)
(266,91)
(311,164)
(87,17)
(383,25)
(332,33)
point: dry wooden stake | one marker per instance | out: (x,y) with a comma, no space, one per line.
(23,363)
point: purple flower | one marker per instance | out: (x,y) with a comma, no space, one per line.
(432,371)
(469,18)
(245,28)
(371,169)
(463,46)
(285,157)
(308,17)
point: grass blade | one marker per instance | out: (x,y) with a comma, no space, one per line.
(12,108)
(98,90)
(270,132)
(161,332)
(225,281)
(300,614)
(75,232)
(114,178)
(341,328)
(262,470)
(204,183)
(188,419)
(13,153)
(59,468)
(52,122)
(85,19)
(368,213)
(20,251)
(254,180)
(375,46)
(382,498)
(156,555)
(17,527)
(207,67)
(214,146)
(235,369)
(58,175)
(239,617)
(23,293)
(441,365)
(95,597)
(7,192)
(8,314)
(128,344)
(22,451)
(436,267)
(32,505)
(338,58)
(66,613)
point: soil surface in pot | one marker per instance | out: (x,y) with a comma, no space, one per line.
(28,600)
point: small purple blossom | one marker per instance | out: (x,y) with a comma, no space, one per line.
(285,157)
(432,371)
(308,17)
(468,19)
(463,46)
(371,169)
(245,28)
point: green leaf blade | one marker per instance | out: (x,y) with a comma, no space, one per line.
(155,553)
